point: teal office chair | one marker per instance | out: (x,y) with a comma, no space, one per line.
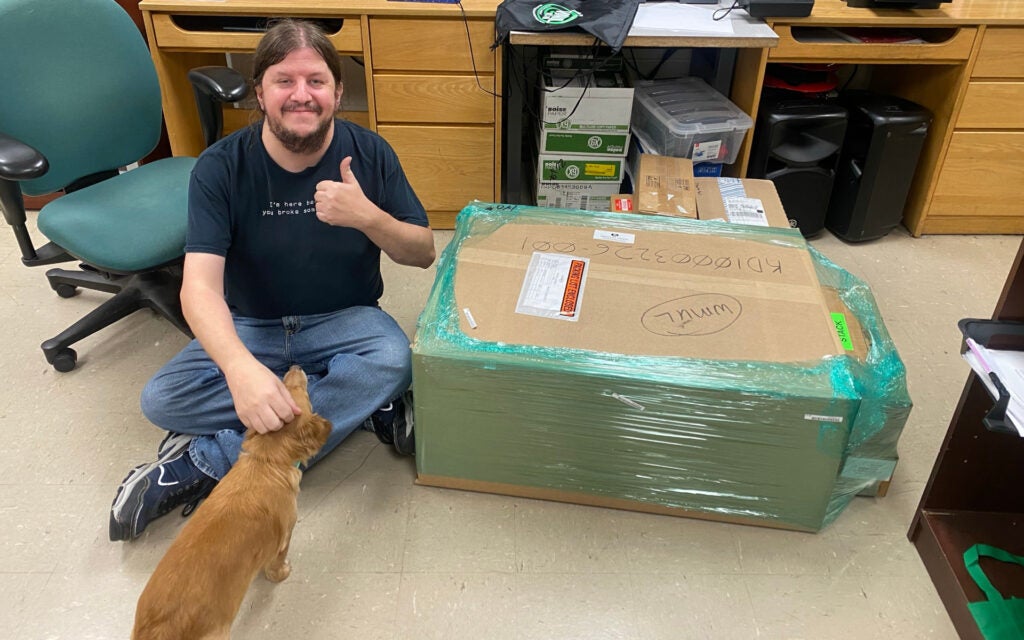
(79,100)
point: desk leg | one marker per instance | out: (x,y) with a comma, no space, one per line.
(512,113)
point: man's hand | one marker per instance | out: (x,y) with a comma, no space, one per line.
(343,204)
(262,402)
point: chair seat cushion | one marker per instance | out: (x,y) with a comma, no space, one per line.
(129,223)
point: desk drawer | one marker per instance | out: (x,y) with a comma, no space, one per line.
(1001,54)
(437,99)
(981,176)
(172,36)
(447,166)
(813,43)
(993,105)
(398,44)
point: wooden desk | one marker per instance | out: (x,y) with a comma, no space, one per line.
(974,492)
(970,75)
(424,98)
(429,77)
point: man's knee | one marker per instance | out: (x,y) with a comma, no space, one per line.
(153,402)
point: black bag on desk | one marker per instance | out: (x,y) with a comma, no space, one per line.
(607,20)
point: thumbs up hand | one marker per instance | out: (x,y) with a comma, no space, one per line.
(343,204)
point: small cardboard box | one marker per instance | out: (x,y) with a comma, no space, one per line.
(572,168)
(665,186)
(593,196)
(740,200)
(590,102)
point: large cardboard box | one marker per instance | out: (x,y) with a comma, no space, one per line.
(664,185)
(640,362)
(740,200)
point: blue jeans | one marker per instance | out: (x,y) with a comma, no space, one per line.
(356,361)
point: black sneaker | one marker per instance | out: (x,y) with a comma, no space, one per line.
(153,489)
(393,424)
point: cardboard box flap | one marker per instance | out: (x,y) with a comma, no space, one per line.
(644,293)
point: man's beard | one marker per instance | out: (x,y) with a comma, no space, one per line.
(297,143)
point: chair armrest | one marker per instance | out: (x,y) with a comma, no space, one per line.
(18,161)
(224,84)
(213,86)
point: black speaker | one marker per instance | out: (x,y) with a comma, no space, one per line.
(796,145)
(884,137)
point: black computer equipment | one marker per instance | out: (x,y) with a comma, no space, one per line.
(896,4)
(777,8)
(797,143)
(884,137)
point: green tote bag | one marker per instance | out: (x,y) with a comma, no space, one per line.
(998,618)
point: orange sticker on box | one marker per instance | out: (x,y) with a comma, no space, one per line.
(571,297)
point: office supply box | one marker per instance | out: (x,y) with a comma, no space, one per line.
(587,102)
(595,196)
(640,362)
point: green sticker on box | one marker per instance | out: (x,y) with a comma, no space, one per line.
(842,330)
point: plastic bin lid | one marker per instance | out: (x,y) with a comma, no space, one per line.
(688,106)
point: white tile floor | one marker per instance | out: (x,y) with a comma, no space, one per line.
(376,556)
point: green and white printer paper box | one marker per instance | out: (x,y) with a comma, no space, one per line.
(655,364)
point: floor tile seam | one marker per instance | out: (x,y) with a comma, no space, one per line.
(316,505)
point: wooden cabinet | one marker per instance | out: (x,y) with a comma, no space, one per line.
(968,72)
(978,188)
(973,493)
(433,85)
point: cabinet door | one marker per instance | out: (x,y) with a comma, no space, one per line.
(981,176)
(447,166)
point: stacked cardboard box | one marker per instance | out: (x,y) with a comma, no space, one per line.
(651,363)
(583,139)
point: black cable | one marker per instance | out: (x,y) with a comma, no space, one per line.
(472,57)
(853,74)
(727,10)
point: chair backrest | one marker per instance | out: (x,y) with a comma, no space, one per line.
(78,84)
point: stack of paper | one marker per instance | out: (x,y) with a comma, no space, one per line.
(1008,366)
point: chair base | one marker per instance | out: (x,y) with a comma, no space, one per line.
(156,290)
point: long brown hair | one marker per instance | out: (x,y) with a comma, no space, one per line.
(287,35)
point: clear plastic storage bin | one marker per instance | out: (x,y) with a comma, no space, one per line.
(686,118)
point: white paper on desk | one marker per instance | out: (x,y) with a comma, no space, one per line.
(1009,367)
(675,17)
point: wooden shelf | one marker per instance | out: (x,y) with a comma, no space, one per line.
(974,492)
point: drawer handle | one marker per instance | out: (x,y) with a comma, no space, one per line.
(872,36)
(244,24)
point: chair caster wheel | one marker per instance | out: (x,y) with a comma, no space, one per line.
(65,360)
(65,291)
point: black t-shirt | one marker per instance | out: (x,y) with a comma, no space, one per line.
(280,259)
